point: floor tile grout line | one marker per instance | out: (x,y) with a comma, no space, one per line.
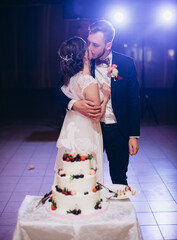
(145,195)
(16,183)
(164,184)
(157,142)
(28,161)
(159,176)
(10,158)
(45,172)
(15,186)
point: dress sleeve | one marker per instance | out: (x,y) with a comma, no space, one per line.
(85,81)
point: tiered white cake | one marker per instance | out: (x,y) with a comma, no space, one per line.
(76,191)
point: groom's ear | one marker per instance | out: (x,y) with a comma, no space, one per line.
(108,45)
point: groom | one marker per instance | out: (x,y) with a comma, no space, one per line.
(121,122)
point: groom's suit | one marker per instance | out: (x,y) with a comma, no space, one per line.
(125,95)
(125,105)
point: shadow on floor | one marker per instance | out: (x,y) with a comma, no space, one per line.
(45,136)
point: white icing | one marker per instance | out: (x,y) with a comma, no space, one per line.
(74,168)
(85,203)
(79,185)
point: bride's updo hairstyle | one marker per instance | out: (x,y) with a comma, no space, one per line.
(72,53)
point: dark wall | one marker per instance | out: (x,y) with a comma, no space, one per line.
(30,38)
(32,31)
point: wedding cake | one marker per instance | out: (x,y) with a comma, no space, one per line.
(77,191)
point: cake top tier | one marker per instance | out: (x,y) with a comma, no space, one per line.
(74,164)
(75,157)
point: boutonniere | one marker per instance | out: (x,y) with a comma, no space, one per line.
(113,72)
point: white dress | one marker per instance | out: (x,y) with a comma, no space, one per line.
(80,134)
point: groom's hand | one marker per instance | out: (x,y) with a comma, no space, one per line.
(133,146)
(88,109)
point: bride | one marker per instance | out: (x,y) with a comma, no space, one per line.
(80,134)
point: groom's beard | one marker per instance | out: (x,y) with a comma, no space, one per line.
(100,55)
(103,52)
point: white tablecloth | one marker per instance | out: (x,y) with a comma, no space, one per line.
(118,222)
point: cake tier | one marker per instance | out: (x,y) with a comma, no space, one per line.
(80,185)
(74,168)
(86,203)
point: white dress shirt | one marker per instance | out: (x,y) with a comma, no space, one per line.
(101,75)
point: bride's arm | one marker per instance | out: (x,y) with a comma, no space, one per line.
(106,93)
(91,93)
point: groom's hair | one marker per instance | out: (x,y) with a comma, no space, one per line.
(105,27)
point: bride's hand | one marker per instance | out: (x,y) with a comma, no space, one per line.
(86,60)
(106,90)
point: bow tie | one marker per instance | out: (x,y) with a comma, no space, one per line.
(105,61)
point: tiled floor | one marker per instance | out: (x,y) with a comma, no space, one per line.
(153,171)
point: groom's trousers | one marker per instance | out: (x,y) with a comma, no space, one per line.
(116,147)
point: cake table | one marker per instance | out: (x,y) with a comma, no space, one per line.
(118,221)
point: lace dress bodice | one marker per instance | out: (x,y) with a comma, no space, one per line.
(76,86)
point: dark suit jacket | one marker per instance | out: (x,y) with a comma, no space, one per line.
(124,95)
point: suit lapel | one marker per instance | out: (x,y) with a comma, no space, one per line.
(114,61)
(93,68)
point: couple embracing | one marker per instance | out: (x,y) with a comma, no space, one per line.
(101,94)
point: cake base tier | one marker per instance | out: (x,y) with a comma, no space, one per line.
(90,214)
